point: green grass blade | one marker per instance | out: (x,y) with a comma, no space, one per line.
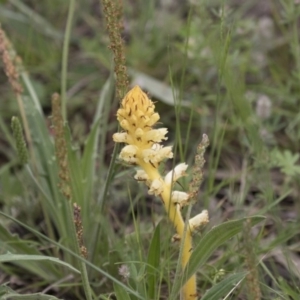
(102,114)
(65,56)
(120,292)
(222,288)
(88,163)
(77,182)
(153,263)
(31,91)
(9,257)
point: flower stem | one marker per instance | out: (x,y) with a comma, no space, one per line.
(189,290)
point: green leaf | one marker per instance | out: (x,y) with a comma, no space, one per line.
(77,182)
(89,158)
(9,257)
(222,288)
(120,292)
(213,239)
(286,161)
(153,262)
(88,168)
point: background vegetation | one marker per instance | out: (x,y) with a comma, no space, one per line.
(230,69)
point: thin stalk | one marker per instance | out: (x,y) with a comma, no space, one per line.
(82,265)
(65,55)
(27,131)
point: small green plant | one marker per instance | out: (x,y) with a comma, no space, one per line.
(286,161)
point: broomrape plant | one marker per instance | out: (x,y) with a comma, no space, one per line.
(137,117)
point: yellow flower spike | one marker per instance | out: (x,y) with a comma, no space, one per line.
(137,117)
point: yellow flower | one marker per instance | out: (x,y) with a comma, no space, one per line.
(136,117)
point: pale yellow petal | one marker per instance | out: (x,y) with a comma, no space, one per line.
(179,197)
(175,174)
(128,154)
(199,220)
(156,187)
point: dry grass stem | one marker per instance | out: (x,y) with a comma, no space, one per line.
(79,229)
(197,173)
(113,16)
(61,146)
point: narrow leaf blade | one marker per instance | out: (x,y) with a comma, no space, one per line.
(9,257)
(222,288)
(120,292)
(153,262)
